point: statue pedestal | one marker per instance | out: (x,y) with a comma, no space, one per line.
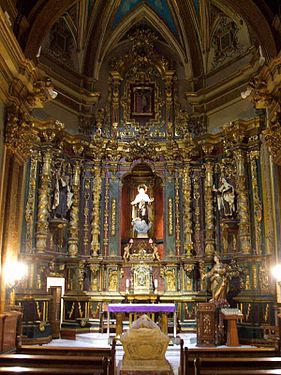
(210,330)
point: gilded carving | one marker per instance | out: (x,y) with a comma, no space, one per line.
(81,267)
(186,186)
(188,268)
(43,203)
(113,217)
(94,268)
(95,224)
(170,217)
(258,215)
(106,215)
(87,186)
(74,213)
(197,221)
(177,216)
(209,216)
(243,206)
(30,204)
(112,281)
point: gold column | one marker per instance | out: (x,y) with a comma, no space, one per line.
(106,215)
(188,243)
(209,216)
(254,158)
(74,217)
(267,198)
(87,186)
(243,204)
(95,225)
(197,224)
(177,216)
(30,205)
(44,191)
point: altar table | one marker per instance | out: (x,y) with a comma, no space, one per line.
(163,308)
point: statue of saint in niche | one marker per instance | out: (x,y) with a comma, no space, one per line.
(140,219)
(62,195)
(225,197)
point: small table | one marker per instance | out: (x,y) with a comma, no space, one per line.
(163,308)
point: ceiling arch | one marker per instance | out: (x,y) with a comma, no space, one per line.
(143,12)
(44,20)
(255,20)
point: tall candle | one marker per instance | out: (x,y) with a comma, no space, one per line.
(127,283)
(155,283)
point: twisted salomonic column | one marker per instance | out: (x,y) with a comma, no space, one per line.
(258,216)
(95,225)
(243,204)
(31,202)
(74,217)
(209,210)
(43,200)
(186,181)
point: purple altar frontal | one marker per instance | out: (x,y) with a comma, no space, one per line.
(142,307)
(132,308)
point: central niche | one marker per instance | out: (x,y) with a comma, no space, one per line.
(142,204)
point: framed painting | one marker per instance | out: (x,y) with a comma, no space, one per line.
(142,100)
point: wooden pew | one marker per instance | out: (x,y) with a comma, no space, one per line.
(44,371)
(237,365)
(108,353)
(188,355)
(91,365)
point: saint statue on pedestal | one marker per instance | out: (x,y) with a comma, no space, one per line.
(140,220)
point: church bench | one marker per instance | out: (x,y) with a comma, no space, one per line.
(48,371)
(108,353)
(237,365)
(95,365)
(187,355)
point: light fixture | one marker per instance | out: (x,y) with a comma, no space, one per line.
(14,272)
(246,93)
(276,272)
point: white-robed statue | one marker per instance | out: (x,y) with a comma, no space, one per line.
(140,220)
(225,197)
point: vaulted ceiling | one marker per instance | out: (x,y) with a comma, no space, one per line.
(74,41)
(91,29)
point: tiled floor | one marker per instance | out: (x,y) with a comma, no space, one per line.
(101,340)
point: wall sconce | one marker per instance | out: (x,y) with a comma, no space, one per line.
(276,273)
(14,272)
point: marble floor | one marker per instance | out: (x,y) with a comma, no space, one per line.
(101,340)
